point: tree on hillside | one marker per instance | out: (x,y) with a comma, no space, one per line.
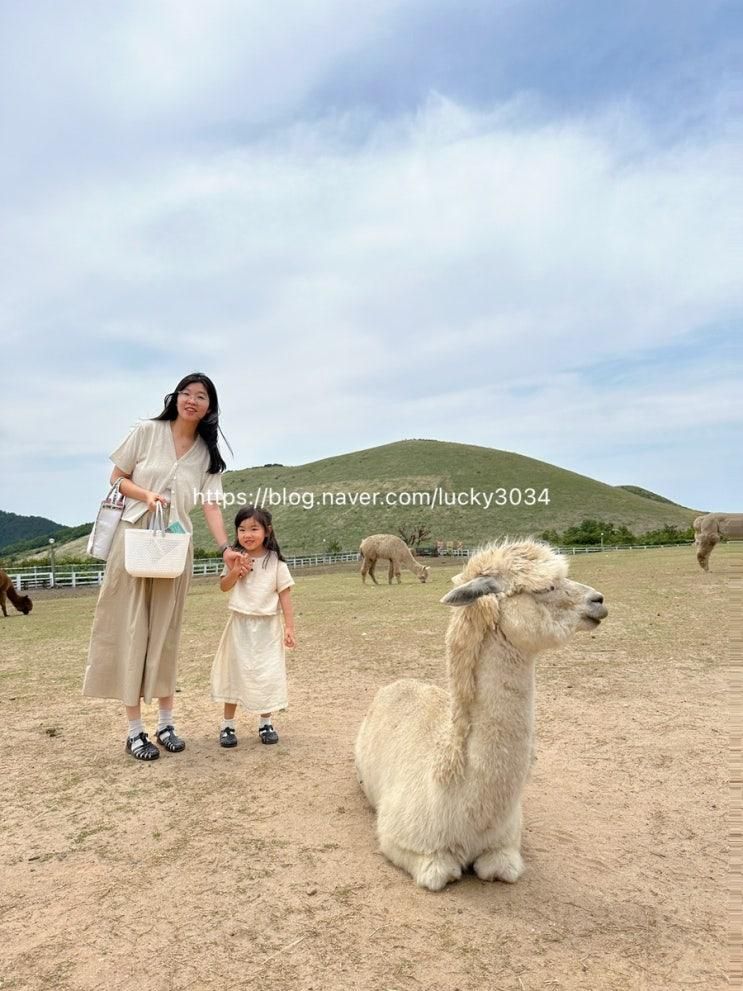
(413,538)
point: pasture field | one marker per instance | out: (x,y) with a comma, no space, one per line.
(258,868)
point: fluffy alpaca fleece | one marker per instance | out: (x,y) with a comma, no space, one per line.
(710,528)
(390,548)
(22,602)
(445,769)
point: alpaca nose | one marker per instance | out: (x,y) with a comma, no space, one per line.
(596,597)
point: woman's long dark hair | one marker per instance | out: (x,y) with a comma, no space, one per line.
(208,428)
(266,521)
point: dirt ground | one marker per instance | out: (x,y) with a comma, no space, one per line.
(258,867)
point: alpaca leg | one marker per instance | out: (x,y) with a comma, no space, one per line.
(397,574)
(2,603)
(390,573)
(364,569)
(502,861)
(372,566)
(432,871)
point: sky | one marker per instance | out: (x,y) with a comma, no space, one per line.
(508,223)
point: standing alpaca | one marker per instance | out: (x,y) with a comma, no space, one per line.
(445,769)
(391,548)
(22,602)
(710,528)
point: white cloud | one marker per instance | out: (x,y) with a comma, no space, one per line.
(344,292)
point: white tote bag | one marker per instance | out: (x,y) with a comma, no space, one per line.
(155,553)
(108,518)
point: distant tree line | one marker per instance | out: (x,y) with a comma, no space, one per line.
(588,532)
(593,532)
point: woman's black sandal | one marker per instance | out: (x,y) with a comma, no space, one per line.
(144,750)
(166,738)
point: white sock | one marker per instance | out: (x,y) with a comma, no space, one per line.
(227,724)
(165,719)
(136,726)
(264,721)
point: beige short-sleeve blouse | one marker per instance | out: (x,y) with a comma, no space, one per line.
(257,593)
(148,457)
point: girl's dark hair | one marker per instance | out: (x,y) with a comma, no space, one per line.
(265,519)
(208,428)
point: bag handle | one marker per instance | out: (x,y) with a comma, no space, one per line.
(114,495)
(157,519)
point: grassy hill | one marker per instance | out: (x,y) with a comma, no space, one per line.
(424,465)
(647,494)
(15,528)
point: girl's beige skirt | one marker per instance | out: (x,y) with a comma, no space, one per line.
(133,650)
(249,666)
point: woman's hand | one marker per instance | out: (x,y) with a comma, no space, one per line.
(289,639)
(232,557)
(153,498)
(241,566)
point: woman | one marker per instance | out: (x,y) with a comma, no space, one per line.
(173,459)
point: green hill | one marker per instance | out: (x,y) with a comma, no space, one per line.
(647,494)
(423,466)
(15,528)
(22,535)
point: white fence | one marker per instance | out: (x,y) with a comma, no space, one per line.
(80,575)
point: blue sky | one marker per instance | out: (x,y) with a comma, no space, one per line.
(509,224)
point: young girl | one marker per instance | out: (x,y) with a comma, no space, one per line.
(249,666)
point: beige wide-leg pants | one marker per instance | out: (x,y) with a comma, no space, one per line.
(133,650)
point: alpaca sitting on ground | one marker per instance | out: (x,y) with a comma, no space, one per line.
(445,769)
(710,528)
(392,549)
(22,602)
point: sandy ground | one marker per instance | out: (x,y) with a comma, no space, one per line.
(258,867)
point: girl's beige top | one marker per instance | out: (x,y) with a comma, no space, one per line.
(257,593)
(148,456)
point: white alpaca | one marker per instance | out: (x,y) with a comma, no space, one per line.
(391,548)
(445,770)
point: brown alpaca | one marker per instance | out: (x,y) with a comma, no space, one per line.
(710,528)
(389,548)
(22,602)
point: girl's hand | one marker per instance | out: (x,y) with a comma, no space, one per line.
(242,565)
(289,639)
(153,498)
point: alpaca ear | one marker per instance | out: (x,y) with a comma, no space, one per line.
(464,595)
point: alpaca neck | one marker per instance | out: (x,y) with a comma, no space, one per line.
(489,730)
(502,712)
(13,596)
